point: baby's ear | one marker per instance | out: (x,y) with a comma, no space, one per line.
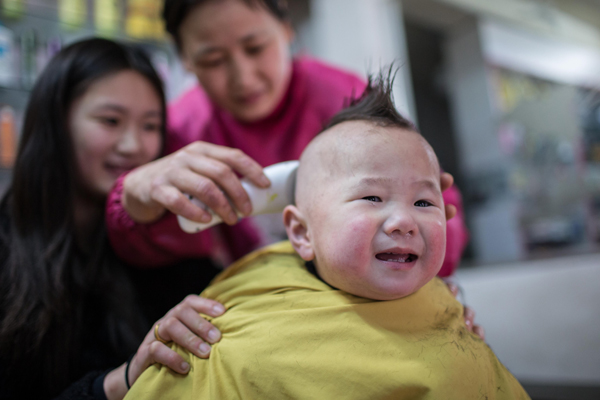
(297,231)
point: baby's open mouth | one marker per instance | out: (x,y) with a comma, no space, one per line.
(395,257)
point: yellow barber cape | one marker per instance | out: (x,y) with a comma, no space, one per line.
(287,335)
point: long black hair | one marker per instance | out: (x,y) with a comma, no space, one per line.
(46,279)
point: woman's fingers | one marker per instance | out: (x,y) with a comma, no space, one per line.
(151,352)
(207,172)
(216,185)
(203,170)
(446,180)
(469,318)
(236,159)
(182,325)
(185,327)
(209,181)
(453,288)
(450,210)
(203,305)
(175,201)
(201,187)
(172,329)
(162,354)
(479,331)
(187,313)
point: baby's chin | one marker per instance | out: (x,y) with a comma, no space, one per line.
(381,296)
(369,287)
(375,293)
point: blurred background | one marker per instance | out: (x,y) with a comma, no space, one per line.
(508,94)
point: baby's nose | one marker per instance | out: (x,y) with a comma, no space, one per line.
(400,224)
(398,233)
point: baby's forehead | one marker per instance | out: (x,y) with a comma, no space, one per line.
(358,140)
(338,153)
(352,143)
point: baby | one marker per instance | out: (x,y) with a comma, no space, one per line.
(304,318)
(369,210)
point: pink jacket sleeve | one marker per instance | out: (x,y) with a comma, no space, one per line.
(163,243)
(457,235)
(150,244)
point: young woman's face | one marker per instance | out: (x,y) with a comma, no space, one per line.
(240,55)
(115,127)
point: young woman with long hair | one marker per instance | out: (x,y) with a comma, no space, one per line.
(69,310)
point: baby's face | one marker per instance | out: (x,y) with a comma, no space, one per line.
(373,210)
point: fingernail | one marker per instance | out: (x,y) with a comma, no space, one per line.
(204,349)
(206,218)
(218,309)
(264,180)
(185,367)
(247,207)
(214,335)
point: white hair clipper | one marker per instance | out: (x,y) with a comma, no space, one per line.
(264,201)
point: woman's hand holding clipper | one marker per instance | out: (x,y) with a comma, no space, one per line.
(203,170)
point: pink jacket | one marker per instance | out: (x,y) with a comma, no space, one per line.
(316,93)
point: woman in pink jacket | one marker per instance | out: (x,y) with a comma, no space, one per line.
(256,105)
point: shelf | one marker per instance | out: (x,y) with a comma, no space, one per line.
(47,15)
(13,89)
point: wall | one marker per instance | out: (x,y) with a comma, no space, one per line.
(362,36)
(492,213)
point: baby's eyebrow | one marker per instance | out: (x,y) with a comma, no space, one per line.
(430,184)
(375,181)
(385,181)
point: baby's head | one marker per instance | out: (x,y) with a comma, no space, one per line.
(369,209)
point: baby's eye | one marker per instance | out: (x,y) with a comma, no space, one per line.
(375,199)
(423,203)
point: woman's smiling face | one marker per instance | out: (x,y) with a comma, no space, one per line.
(240,55)
(115,127)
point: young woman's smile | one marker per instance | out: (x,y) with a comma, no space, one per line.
(116,127)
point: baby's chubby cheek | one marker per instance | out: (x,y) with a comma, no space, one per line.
(351,243)
(436,239)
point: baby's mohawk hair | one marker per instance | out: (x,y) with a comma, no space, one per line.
(375,105)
